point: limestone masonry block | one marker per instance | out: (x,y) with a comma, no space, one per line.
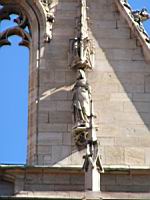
(135,156)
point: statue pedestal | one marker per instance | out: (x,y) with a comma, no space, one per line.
(80,135)
(92,179)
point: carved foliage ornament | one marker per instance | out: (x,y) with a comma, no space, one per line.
(138,16)
(46,2)
(22,23)
(49,19)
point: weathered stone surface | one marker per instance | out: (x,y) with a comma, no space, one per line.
(112,33)
(147,83)
(60,152)
(6,188)
(120,90)
(121,97)
(114,155)
(135,156)
(117,43)
(47,127)
(142,97)
(120,82)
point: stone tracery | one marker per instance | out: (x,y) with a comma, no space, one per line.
(20,29)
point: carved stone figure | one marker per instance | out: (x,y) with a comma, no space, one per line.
(49,25)
(81,100)
(140,16)
(49,20)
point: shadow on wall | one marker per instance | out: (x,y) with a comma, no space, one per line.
(55,142)
(6,188)
(120,86)
(52,91)
(61,143)
(121,75)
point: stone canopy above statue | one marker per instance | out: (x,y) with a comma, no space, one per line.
(81,48)
(81,53)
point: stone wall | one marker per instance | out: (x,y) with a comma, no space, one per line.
(6,188)
(22,179)
(120,86)
(54,182)
(120,89)
(56,78)
(120,83)
(41,181)
(125,183)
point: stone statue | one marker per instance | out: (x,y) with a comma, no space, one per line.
(140,16)
(50,19)
(49,25)
(81,101)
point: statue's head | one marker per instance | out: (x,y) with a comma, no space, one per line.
(81,74)
(144,14)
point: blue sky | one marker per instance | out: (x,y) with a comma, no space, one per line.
(14,65)
(14,100)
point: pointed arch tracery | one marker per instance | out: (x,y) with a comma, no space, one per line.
(21,21)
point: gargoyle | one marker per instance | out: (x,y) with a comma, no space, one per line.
(140,16)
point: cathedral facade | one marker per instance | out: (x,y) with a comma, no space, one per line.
(89,100)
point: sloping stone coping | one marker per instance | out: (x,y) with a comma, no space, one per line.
(138,34)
